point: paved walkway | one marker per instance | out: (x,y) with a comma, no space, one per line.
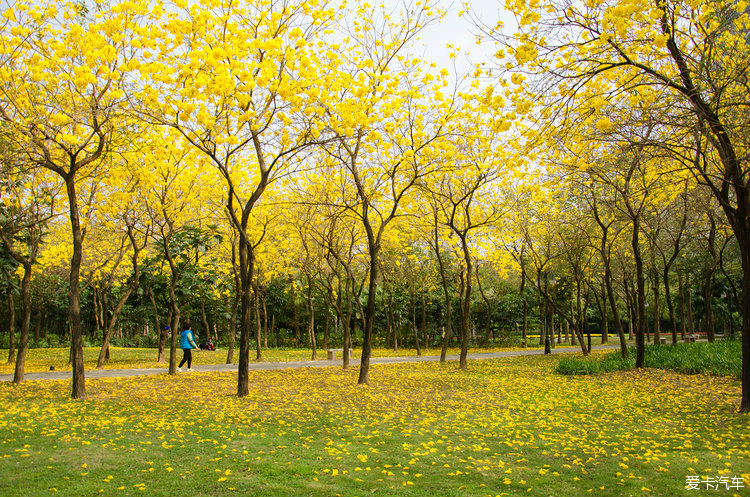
(200,368)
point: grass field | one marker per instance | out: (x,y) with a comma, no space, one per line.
(505,427)
(721,358)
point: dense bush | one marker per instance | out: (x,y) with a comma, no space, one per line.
(721,358)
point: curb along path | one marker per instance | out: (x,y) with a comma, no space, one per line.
(117,373)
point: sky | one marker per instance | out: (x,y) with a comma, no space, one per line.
(460,32)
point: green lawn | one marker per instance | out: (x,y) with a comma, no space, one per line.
(505,427)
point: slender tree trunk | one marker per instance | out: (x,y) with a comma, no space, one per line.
(104,351)
(38,325)
(414,323)
(542,310)
(11,328)
(326,329)
(488,324)
(630,307)
(683,321)
(295,317)
(247,262)
(161,334)
(525,301)
(388,321)
(641,295)
(708,297)
(311,323)
(657,308)
(204,321)
(232,329)
(615,311)
(670,305)
(605,314)
(23,341)
(264,308)
(346,324)
(691,323)
(258,329)
(466,307)
(424,320)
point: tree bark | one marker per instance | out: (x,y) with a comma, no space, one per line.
(74,292)
(640,345)
(414,323)
(311,322)
(23,341)
(11,328)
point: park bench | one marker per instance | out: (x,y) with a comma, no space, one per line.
(332,353)
(691,338)
(662,340)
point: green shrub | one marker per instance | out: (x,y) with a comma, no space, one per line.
(721,358)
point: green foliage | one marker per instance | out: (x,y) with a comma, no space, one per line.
(721,358)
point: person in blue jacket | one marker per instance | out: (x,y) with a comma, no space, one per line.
(187,344)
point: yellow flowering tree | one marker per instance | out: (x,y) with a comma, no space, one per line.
(241,83)
(64,71)
(691,54)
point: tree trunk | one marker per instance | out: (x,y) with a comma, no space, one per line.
(691,323)
(23,341)
(232,329)
(425,333)
(670,306)
(615,311)
(346,323)
(657,308)
(640,345)
(742,232)
(605,314)
(525,302)
(11,328)
(466,307)
(708,297)
(414,323)
(204,320)
(295,316)
(104,351)
(683,324)
(326,329)
(264,308)
(247,260)
(311,322)
(258,329)
(74,294)
(369,318)
(388,323)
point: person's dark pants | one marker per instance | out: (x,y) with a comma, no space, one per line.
(187,357)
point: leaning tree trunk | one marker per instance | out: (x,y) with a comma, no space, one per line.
(615,311)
